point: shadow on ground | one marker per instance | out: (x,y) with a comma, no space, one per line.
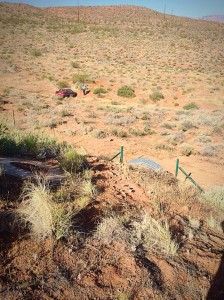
(216,291)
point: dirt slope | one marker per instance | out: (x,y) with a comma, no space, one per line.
(87,267)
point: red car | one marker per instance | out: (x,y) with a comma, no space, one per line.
(66,93)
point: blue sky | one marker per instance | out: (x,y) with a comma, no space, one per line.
(189,8)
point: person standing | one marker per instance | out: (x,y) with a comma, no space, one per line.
(84,89)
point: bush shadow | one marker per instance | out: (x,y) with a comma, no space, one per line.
(216,291)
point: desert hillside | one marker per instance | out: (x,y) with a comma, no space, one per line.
(169,62)
(73,223)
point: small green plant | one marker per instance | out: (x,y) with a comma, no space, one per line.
(191,105)
(62,221)
(187,125)
(144,101)
(156,96)
(81,78)
(115,102)
(186,150)
(51,78)
(126,92)
(100,90)
(65,113)
(8,145)
(75,64)
(122,134)
(140,132)
(62,84)
(28,143)
(36,52)
(71,161)
(99,134)
(6,91)
(137,131)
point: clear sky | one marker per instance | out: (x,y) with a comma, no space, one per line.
(188,8)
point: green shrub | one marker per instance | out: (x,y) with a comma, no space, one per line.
(190,105)
(126,92)
(186,150)
(28,143)
(75,64)
(62,84)
(187,125)
(99,134)
(74,29)
(100,90)
(81,77)
(115,103)
(143,101)
(35,52)
(121,134)
(8,145)
(65,113)
(71,161)
(156,95)
(6,91)
(62,222)
(141,132)
(137,131)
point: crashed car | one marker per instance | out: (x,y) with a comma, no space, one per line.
(65,93)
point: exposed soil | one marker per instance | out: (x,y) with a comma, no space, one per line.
(83,268)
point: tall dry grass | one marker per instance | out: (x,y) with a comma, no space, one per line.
(155,234)
(45,218)
(37,209)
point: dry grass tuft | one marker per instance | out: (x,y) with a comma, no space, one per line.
(46,218)
(215,196)
(88,189)
(156,235)
(109,229)
(37,209)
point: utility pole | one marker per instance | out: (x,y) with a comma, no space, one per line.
(165,12)
(78,11)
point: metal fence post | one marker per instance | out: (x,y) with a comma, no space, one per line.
(122,155)
(177,167)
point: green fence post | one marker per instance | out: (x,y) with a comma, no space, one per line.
(115,156)
(121,154)
(191,179)
(177,167)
